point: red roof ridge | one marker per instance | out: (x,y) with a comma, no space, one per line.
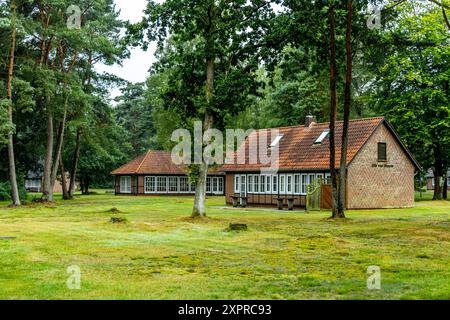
(322,123)
(143,160)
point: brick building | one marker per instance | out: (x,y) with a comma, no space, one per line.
(380,168)
(154,173)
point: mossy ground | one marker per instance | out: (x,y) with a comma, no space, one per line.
(159,253)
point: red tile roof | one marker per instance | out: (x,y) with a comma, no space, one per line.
(153,162)
(297,148)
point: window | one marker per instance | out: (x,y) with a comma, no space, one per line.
(125,184)
(162,184)
(304,183)
(289,184)
(208,185)
(268,184)
(297,184)
(150,185)
(173,184)
(282,184)
(193,187)
(184,184)
(256,184)
(262,184)
(276,141)
(328,178)
(322,136)
(220,186)
(215,187)
(382,151)
(312,178)
(250,184)
(275,183)
(236,184)
(319,176)
(243,185)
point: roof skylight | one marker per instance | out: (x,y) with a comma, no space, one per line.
(276,141)
(322,137)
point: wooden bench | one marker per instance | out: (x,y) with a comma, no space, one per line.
(238,200)
(280,203)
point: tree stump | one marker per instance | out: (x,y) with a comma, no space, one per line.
(118,220)
(237,227)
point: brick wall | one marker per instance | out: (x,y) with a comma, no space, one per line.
(388,185)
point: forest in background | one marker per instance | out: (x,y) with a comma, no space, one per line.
(271,68)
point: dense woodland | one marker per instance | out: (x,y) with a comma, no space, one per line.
(231,64)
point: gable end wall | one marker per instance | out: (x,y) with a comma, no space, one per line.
(382,186)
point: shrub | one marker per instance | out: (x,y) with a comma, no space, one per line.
(5,191)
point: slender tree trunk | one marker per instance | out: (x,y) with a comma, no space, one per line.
(11,157)
(438,171)
(59,143)
(47,193)
(85,185)
(333,108)
(63,180)
(76,158)
(445,187)
(347,105)
(199,209)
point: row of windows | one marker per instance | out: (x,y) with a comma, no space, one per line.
(157,184)
(274,184)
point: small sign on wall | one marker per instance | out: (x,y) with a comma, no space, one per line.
(375,165)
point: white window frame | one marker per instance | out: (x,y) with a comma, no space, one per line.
(268,184)
(237,184)
(289,184)
(275,184)
(220,185)
(243,185)
(166,183)
(146,190)
(215,185)
(169,180)
(282,184)
(304,182)
(250,183)
(208,185)
(297,184)
(188,187)
(256,183)
(262,184)
(124,189)
(320,175)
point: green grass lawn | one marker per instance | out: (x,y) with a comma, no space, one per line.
(159,253)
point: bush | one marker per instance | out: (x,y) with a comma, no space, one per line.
(5,191)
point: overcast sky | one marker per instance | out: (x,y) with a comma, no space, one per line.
(134,69)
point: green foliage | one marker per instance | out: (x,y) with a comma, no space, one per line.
(5,191)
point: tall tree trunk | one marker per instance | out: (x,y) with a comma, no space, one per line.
(199,209)
(11,157)
(76,158)
(47,193)
(63,180)
(347,105)
(59,143)
(333,107)
(438,171)
(445,187)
